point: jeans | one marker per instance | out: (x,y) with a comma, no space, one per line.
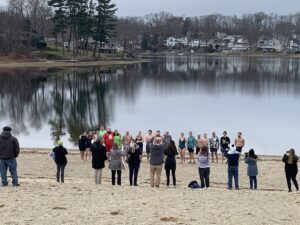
(155,170)
(204,177)
(253,182)
(133,174)
(168,177)
(98,175)
(10,164)
(113,177)
(233,171)
(60,173)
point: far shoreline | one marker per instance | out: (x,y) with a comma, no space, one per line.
(10,64)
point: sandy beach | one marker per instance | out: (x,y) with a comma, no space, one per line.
(40,200)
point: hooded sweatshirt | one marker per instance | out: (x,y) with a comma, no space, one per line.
(233,157)
(9,146)
(157,155)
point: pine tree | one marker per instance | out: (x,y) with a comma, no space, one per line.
(104,23)
(59,18)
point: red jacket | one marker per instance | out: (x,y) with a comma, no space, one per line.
(108,141)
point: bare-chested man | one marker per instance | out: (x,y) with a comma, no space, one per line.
(126,141)
(239,142)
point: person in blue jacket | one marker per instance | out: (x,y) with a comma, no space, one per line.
(252,170)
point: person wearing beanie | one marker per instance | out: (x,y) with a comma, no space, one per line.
(9,151)
(60,159)
(252,170)
(233,156)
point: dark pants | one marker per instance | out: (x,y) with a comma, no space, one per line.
(233,171)
(11,165)
(113,177)
(141,146)
(291,175)
(133,174)
(204,177)
(60,173)
(253,182)
(173,176)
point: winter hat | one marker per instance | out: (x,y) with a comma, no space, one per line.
(6,129)
(60,143)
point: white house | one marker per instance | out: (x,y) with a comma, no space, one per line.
(171,42)
(272,45)
(294,45)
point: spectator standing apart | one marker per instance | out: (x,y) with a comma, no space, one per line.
(134,161)
(9,151)
(252,170)
(149,142)
(233,166)
(126,140)
(116,164)
(82,144)
(182,147)
(191,144)
(102,131)
(98,158)
(214,145)
(61,161)
(140,141)
(156,161)
(170,164)
(108,139)
(117,138)
(167,138)
(198,144)
(291,168)
(203,167)
(225,142)
(239,142)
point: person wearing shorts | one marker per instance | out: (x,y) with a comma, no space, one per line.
(148,140)
(191,143)
(225,142)
(198,144)
(239,142)
(214,146)
(182,147)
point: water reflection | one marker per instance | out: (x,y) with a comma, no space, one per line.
(65,102)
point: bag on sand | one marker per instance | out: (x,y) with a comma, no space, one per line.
(193,184)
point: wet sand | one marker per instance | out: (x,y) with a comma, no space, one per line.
(40,200)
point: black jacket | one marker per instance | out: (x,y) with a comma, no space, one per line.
(9,146)
(60,155)
(133,158)
(98,155)
(290,167)
(170,162)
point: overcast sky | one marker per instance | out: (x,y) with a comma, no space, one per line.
(203,7)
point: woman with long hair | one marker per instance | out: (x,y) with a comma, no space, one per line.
(203,167)
(116,164)
(252,170)
(291,168)
(170,163)
(134,161)
(182,147)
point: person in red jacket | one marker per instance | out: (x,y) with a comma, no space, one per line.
(108,138)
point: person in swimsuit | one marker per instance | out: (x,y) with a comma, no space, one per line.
(214,145)
(239,142)
(149,142)
(191,143)
(140,141)
(126,141)
(82,143)
(225,142)
(182,147)
(198,144)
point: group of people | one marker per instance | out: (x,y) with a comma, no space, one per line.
(161,151)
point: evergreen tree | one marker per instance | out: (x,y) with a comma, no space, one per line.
(59,18)
(104,23)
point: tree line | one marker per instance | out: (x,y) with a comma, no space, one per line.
(150,31)
(85,24)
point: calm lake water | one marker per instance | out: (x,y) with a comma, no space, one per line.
(257,96)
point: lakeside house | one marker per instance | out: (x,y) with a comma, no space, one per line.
(271,45)
(294,46)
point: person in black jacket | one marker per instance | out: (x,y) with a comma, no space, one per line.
(233,157)
(61,161)
(170,163)
(98,158)
(291,169)
(9,151)
(134,160)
